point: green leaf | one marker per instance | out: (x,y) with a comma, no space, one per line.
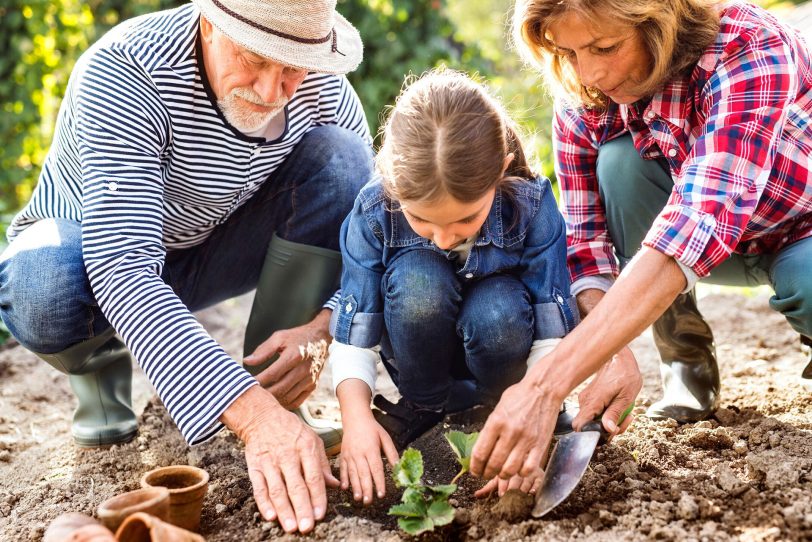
(415,526)
(409,469)
(441,513)
(409,509)
(443,492)
(463,445)
(413,494)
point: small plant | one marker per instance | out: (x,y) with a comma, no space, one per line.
(422,507)
(462,444)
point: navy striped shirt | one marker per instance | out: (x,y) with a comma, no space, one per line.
(145,161)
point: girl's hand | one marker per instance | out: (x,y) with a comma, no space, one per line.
(360,462)
(525,484)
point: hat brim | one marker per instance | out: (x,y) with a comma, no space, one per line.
(339,55)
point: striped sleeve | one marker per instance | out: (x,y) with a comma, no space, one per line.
(123,130)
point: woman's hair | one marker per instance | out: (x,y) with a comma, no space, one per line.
(675,33)
(446,135)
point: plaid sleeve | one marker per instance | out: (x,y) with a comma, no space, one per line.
(589,247)
(724,173)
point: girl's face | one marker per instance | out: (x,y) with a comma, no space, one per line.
(448,222)
(607,56)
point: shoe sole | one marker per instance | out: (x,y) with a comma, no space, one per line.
(104,442)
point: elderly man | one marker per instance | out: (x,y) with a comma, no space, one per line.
(199,153)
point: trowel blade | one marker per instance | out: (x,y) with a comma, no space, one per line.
(567,465)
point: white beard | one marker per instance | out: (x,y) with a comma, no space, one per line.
(244,119)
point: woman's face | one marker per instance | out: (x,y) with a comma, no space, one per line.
(607,56)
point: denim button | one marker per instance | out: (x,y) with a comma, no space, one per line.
(348,307)
(560,299)
(469,275)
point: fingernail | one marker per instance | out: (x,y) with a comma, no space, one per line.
(290,525)
(366,499)
(380,494)
(318,512)
(357,496)
(270,515)
(305,524)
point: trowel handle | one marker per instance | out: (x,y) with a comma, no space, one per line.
(596,425)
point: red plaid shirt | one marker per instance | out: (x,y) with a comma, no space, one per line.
(737,135)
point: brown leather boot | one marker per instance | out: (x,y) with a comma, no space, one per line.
(688,363)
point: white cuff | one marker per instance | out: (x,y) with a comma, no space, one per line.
(347,361)
(540,348)
(596,282)
(691,278)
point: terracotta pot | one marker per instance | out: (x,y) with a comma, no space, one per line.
(187,486)
(152,500)
(141,527)
(77,527)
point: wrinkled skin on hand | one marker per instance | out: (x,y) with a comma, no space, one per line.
(287,465)
(614,387)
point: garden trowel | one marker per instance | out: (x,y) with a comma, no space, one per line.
(568,462)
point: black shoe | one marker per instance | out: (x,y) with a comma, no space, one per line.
(404,421)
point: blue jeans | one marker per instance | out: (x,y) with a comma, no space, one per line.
(45,296)
(439,330)
(634,191)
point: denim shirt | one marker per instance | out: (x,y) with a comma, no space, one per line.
(524,235)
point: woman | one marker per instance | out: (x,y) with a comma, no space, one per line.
(682,136)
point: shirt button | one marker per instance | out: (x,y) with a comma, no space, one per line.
(672,152)
(650,115)
(112,186)
(469,275)
(348,308)
(560,299)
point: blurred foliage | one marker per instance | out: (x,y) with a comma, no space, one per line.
(40,41)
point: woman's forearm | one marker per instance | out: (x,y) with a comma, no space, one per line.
(647,286)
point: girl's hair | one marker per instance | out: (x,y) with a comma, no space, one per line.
(446,135)
(675,32)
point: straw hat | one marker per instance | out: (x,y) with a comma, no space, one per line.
(306,34)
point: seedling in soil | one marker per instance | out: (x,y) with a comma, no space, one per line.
(422,508)
(462,444)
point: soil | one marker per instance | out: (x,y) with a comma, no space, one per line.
(744,475)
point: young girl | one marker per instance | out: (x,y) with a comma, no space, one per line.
(454,271)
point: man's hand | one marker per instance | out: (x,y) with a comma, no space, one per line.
(287,465)
(614,387)
(288,378)
(518,432)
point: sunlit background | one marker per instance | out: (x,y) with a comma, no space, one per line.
(40,41)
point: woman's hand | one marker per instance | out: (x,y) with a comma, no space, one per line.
(360,461)
(613,389)
(518,432)
(525,484)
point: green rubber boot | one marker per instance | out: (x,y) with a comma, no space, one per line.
(295,282)
(100,373)
(688,367)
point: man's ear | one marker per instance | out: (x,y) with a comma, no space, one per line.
(508,159)
(205,29)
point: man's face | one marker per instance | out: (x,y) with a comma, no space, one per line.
(250,89)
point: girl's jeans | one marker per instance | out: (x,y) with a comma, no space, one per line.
(441,329)
(45,296)
(634,191)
